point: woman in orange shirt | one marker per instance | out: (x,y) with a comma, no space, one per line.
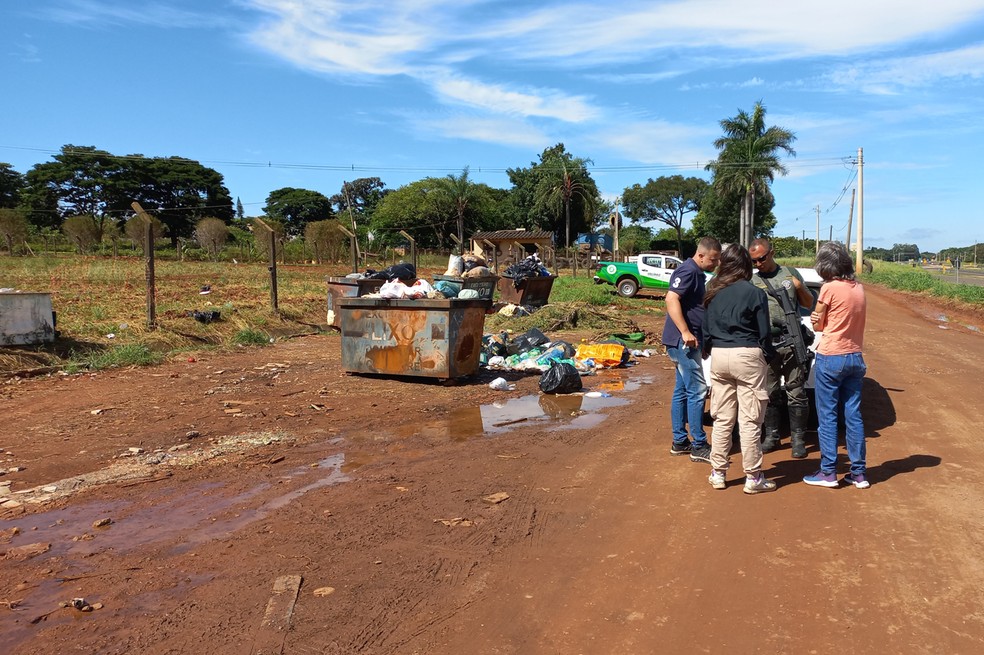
(839,367)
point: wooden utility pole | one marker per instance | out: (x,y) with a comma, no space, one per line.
(860,256)
(273,265)
(149,267)
(355,230)
(850,219)
(353,247)
(818,228)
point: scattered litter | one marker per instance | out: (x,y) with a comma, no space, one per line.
(455,521)
(324,591)
(501,384)
(205,316)
(496,498)
(100,410)
(597,394)
(207,289)
(135,451)
(511,456)
(49,489)
(102,523)
(110,336)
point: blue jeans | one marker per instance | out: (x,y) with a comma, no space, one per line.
(838,383)
(688,396)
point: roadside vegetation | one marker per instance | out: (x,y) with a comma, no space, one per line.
(917,280)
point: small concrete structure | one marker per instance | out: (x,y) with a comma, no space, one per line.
(26,318)
(505,247)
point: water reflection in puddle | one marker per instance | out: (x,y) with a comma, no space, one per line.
(553,412)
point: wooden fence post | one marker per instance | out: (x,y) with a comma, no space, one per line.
(274,303)
(149,268)
(413,248)
(353,246)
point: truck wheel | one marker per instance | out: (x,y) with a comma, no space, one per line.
(627,287)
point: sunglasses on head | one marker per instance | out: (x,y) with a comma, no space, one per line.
(759,260)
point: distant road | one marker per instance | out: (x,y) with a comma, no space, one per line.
(973,276)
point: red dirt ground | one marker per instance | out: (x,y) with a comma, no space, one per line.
(606,544)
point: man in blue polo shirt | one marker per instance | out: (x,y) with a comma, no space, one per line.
(683,340)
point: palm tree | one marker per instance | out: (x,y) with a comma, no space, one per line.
(462,193)
(564,181)
(749,160)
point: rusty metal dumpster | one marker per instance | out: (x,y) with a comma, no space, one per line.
(527,291)
(347,287)
(484,286)
(429,338)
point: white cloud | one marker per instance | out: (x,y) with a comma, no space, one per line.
(659,142)
(547,103)
(498,131)
(891,76)
(105,13)
(343,37)
(792,30)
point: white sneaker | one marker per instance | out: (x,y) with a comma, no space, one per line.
(758,485)
(716,478)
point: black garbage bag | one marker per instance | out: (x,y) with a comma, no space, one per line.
(529,267)
(205,316)
(561,377)
(402,271)
(526,341)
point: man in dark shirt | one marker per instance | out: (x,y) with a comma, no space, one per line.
(683,340)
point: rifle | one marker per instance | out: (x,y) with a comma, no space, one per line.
(792,328)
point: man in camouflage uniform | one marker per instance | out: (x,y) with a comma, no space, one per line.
(784,279)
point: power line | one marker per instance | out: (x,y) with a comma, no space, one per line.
(363,168)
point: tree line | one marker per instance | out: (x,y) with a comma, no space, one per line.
(86,193)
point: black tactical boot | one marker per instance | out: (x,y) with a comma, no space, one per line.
(770,429)
(798,416)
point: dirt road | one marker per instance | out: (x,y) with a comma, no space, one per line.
(273,463)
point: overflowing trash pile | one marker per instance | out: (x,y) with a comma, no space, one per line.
(559,363)
(529,267)
(467,277)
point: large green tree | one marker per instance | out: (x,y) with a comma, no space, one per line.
(536,199)
(77,182)
(748,161)
(179,191)
(362,196)
(295,208)
(86,181)
(13,227)
(459,193)
(11,185)
(667,199)
(422,209)
(718,210)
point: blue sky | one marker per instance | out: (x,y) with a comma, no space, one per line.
(309,93)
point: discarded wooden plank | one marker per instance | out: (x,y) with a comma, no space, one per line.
(496,498)
(270,637)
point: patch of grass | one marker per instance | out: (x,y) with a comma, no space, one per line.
(917,280)
(250,337)
(132,354)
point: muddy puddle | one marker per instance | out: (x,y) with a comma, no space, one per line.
(544,411)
